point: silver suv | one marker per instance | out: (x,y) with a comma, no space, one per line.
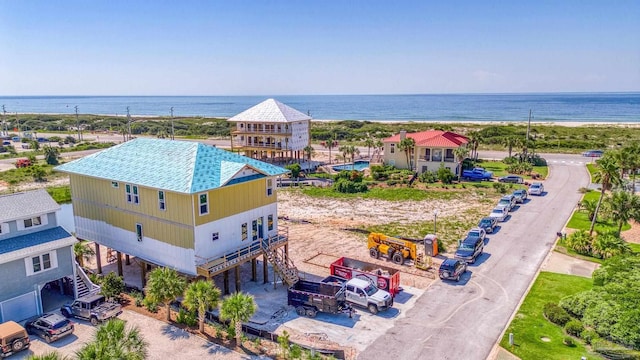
(50,327)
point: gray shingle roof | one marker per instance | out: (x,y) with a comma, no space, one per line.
(271,110)
(24,204)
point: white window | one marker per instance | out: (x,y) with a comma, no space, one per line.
(36,221)
(393,148)
(132,193)
(4,228)
(161,203)
(215,236)
(244,232)
(270,222)
(203,204)
(254,229)
(139,231)
(114,184)
(40,263)
(269,187)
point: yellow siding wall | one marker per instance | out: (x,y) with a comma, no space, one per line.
(235,199)
(178,206)
(171,233)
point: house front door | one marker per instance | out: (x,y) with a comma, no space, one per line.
(260,228)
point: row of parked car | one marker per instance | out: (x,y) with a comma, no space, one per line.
(472,246)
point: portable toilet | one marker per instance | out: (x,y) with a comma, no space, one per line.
(431,245)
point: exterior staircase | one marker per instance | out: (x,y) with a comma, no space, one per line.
(84,286)
(282,265)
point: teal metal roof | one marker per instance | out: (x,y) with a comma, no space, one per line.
(179,166)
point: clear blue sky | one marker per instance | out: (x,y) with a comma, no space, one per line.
(317,47)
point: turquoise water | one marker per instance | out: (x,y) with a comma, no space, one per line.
(557,107)
(358,165)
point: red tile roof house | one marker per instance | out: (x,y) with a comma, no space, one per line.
(432,148)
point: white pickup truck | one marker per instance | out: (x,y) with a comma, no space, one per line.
(363,293)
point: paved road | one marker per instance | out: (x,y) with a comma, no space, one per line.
(464,320)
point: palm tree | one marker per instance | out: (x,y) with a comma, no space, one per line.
(164,286)
(407,145)
(609,244)
(460,153)
(309,151)
(237,308)
(590,207)
(201,296)
(475,137)
(580,241)
(379,144)
(607,174)
(634,162)
(510,142)
(51,154)
(369,143)
(113,340)
(624,206)
(330,144)
(82,252)
(344,149)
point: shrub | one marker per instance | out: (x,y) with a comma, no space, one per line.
(445,175)
(589,336)
(112,286)
(500,187)
(574,327)
(580,242)
(186,317)
(349,187)
(428,177)
(568,340)
(555,314)
(150,304)
(138,298)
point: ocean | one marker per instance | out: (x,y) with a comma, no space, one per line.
(546,107)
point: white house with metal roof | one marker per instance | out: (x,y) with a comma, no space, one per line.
(271,129)
(34,252)
(186,205)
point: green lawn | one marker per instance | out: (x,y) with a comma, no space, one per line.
(591,167)
(529,325)
(61,194)
(580,219)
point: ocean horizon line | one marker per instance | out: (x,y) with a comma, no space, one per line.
(372,94)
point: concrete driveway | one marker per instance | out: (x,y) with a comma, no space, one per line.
(464,320)
(165,341)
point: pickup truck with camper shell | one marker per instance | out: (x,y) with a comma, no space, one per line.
(93,308)
(477,174)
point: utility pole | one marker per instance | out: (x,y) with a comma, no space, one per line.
(78,124)
(18,121)
(526,145)
(4,122)
(172,138)
(128,124)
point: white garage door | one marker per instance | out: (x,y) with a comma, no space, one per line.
(20,308)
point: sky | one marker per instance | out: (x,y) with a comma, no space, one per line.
(317,47)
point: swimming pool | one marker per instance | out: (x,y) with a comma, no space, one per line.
(358,165)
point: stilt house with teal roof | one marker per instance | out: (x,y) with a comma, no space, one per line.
(179,204)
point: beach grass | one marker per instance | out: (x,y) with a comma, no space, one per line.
(529,327)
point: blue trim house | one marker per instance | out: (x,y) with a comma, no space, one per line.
(34,252)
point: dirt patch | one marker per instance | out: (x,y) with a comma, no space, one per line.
(632,235)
